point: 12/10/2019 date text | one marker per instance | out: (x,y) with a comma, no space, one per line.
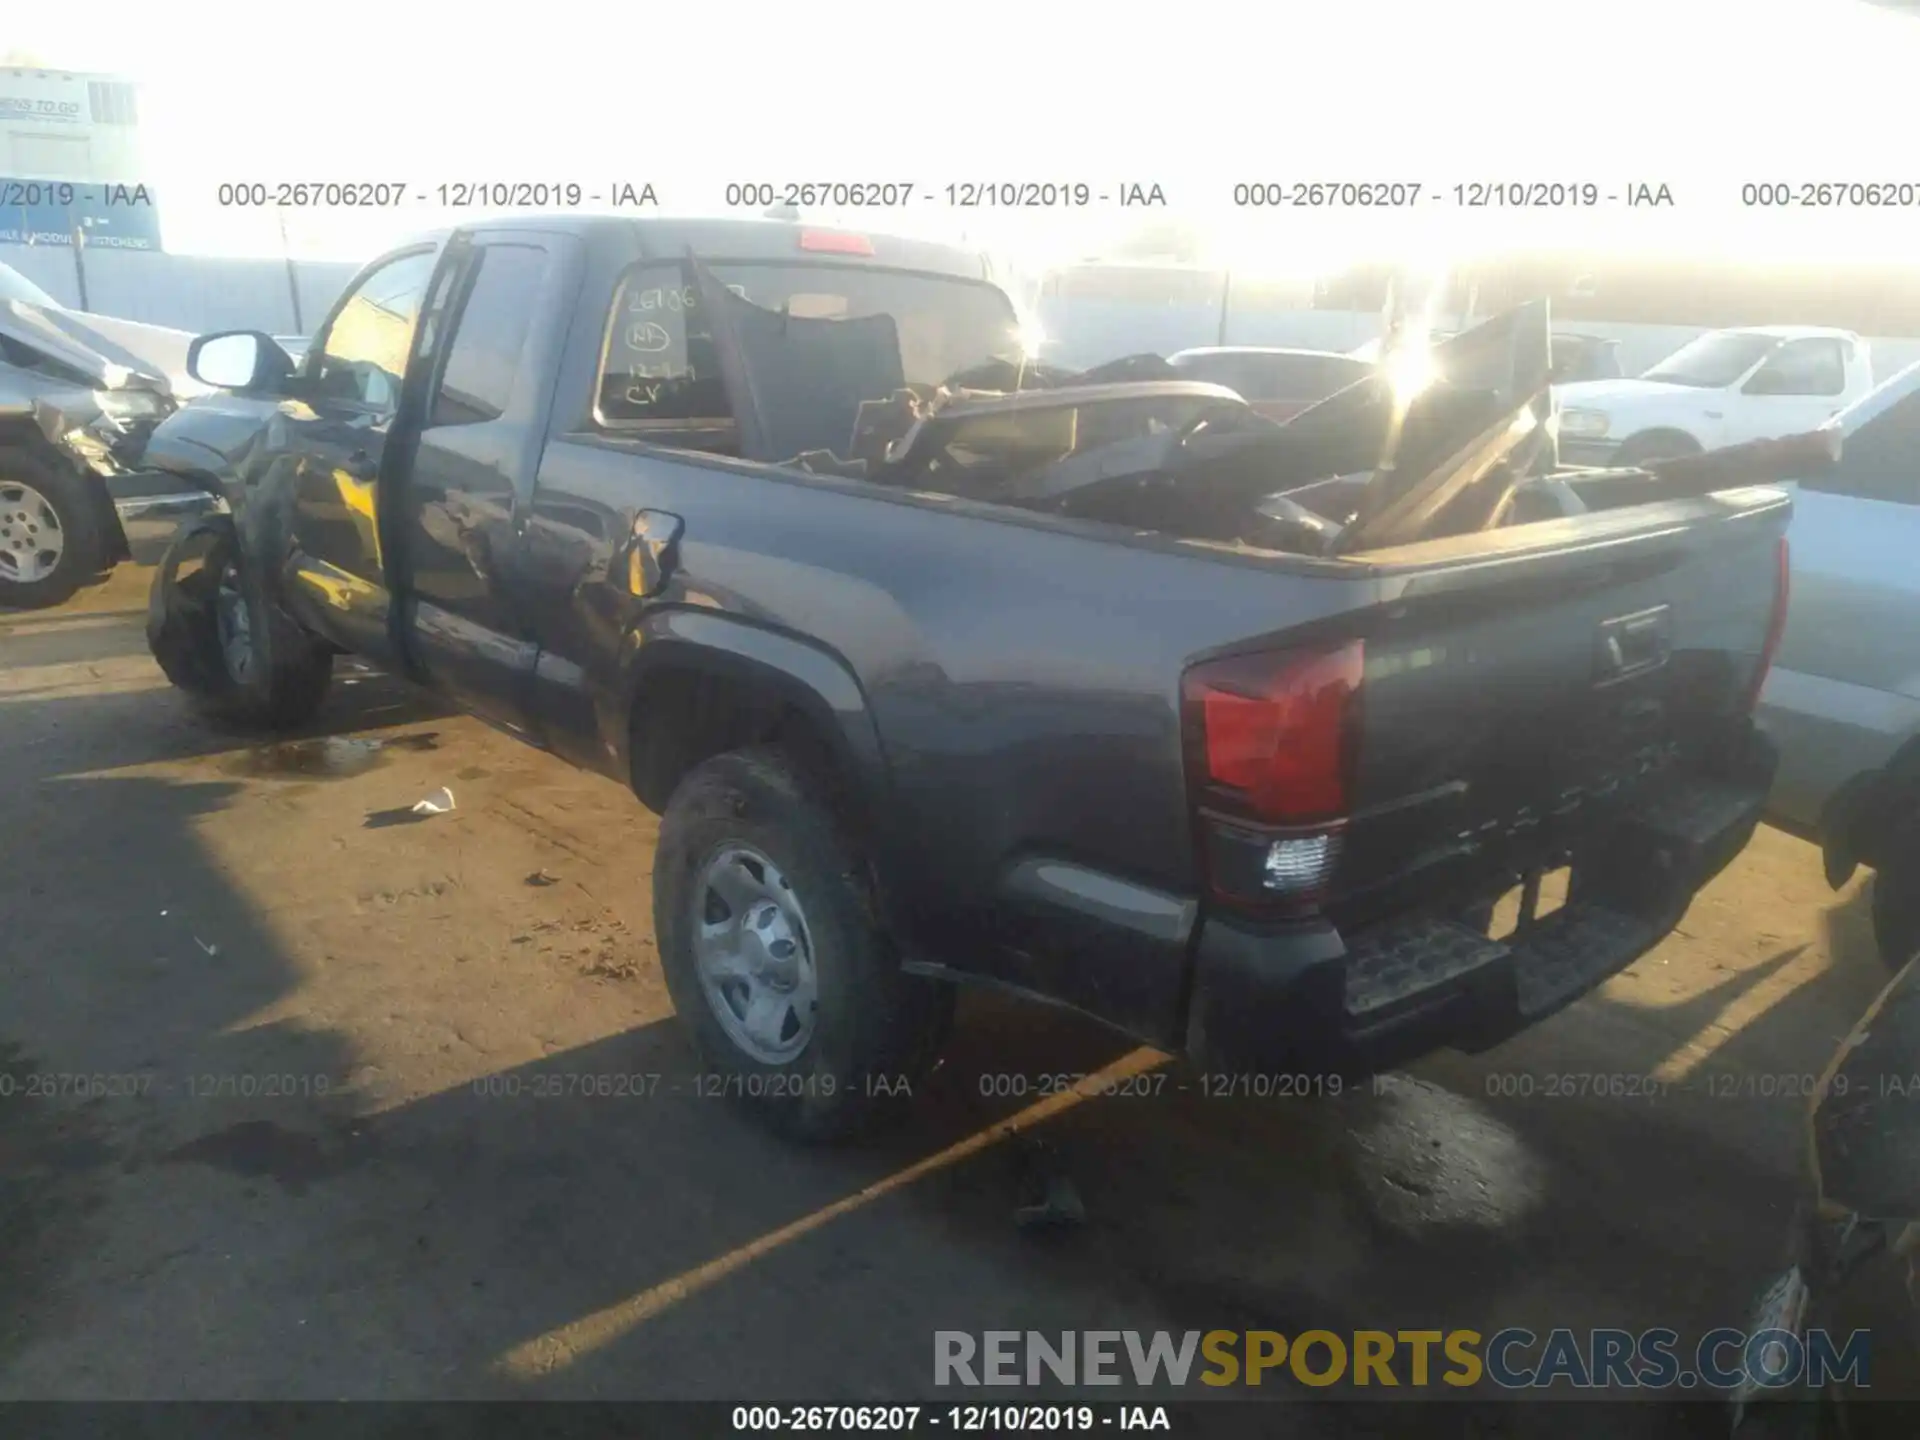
(897,1419)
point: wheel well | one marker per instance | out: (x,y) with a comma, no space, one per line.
(1662,432)
(687,714)
(1862,817)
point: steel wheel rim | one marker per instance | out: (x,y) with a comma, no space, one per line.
(32,539)
(235,626)
(754,954)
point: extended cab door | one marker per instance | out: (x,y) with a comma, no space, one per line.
(333,438)
(1799,387)
(464,499)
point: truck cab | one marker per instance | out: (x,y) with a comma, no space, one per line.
(1725,387)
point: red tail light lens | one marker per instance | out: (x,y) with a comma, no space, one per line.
(1776,622)
(1274,731)
(829,242)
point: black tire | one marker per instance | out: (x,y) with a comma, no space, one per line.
(66,499)
(285,677)
(876,1030)
(1655,445)
(1896,897)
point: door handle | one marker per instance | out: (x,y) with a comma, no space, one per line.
(653,549)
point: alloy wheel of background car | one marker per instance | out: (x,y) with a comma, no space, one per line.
(754,954)
(32,535)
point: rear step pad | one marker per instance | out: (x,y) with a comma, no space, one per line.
(1560,957)
(1694,812)
(1392,963)
(1568,952)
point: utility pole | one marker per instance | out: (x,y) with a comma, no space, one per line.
(293,278)
(79,261)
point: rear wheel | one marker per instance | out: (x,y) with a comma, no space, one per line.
(778,966)
(242,662)
(50,536)
(1896,896)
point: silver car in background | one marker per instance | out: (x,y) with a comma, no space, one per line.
(79,394)
(1843,698)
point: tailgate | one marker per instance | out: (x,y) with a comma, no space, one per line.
(1531,695)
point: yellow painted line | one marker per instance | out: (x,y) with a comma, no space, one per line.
(118,676)
(68,624)
(560,1347)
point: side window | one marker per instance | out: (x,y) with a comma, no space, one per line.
(489,334)
(658,367)
(1803,367)
(363,355)
(1880,460)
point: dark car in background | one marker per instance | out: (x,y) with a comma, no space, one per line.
(1277,383)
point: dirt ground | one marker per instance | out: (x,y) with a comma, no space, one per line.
(356,1147)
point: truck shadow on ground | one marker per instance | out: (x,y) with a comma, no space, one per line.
(523,1235)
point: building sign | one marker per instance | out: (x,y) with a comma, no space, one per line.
(48,212)
(70,159)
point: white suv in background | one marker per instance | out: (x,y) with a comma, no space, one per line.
(1843,698)
(1721,388)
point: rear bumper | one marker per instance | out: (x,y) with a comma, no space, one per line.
(1597,454)
(1305,998)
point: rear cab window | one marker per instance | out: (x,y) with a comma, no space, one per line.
(660,374)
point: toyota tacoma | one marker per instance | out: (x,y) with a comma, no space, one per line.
(944,667)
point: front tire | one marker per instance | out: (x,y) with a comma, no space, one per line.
(1896,897)
(778,966)
(241,661)
(51,540)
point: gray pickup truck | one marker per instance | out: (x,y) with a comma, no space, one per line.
(941,667)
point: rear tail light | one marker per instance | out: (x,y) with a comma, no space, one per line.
(1272,746)
(830,242)
(1776,622)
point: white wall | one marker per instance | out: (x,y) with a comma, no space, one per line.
(198,293)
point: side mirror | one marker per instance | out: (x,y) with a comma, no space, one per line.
(238,360)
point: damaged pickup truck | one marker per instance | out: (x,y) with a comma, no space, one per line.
(943,668)
(78,396)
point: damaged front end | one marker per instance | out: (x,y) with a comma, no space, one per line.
(75,396)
